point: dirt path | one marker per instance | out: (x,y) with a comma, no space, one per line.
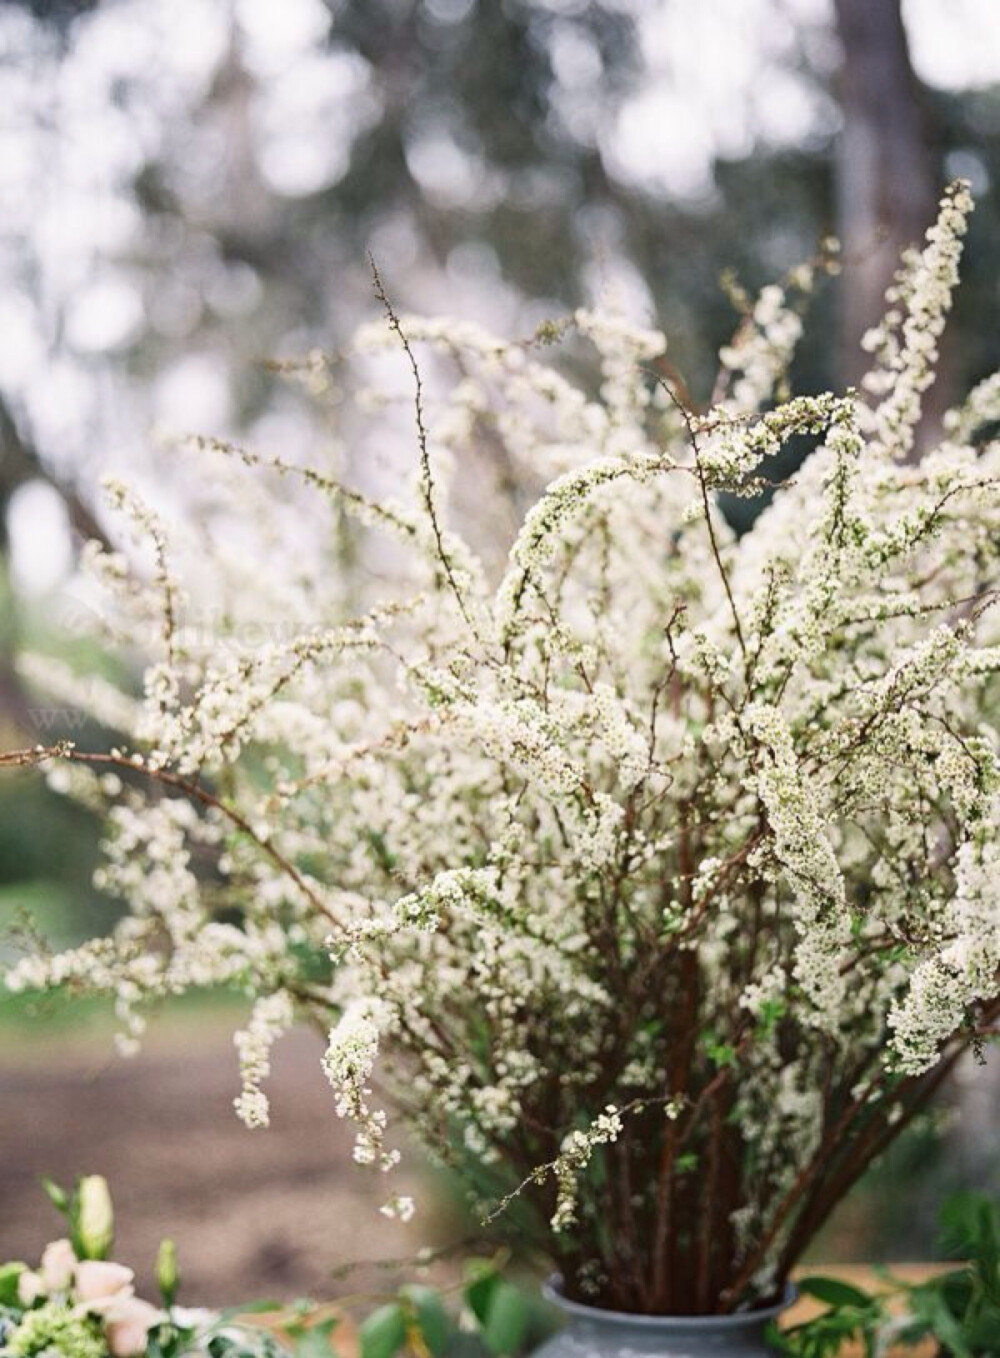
(267,1213)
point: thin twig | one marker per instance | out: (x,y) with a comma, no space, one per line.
(426,476)
(706,504)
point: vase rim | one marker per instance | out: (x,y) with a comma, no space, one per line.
(552,1292)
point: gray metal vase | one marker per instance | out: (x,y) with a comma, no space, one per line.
(593,1333)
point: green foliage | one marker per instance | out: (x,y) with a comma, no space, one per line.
(958,1310)
(53,1328)
(961,1309)
(9,1318)
(495,1318)
(384,1332)
(306,1336)
(500,1308)
(719,1053)
(771,1012)
(424,1308)
(221,1340)
(10,1276)
(834,1292)
(852,1316)
(313,1342)
(56,1195)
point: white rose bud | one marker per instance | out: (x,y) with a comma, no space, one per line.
(95,1217)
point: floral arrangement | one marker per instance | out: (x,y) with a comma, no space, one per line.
(649,876)
(78,1303)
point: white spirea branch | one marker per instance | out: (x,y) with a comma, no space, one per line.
(612,811)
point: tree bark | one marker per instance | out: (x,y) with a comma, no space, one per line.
(887,168)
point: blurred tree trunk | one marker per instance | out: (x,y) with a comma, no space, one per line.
(888,177)
(19,464)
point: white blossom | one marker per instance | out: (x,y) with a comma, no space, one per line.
(272,1016)
(612,810)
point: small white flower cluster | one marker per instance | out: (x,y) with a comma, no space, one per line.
(349,1063)
(539,539)
(980,408)
(806,859)
(906,342)
(629,815)
(758,358)
(272,1016)
(949,982)
(574,1156)
(735,452)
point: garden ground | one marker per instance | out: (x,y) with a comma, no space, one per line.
(254,1214)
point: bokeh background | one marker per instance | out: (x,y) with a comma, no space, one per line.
(190,188)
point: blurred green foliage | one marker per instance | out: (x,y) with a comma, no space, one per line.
(958,1310)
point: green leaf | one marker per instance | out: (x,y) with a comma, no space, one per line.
(833,1291)
(984,1331)
(956,1226)
(158,1343)
(168,1340)
(501,1308)
(506,1322)
(57,1196)
(777,1340)
(251,1308)
(430,1317)
(10,1275)
(945,1328)
(769,1014)
(481,1280)
(315,1342)
(719,1053)
(383,1333)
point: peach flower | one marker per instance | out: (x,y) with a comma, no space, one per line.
(127,1326)
(58,1264)
(99,1281)
(30,1287)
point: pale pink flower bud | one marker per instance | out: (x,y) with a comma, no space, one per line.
(30,1287)
(99,1279)
(58,1263)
